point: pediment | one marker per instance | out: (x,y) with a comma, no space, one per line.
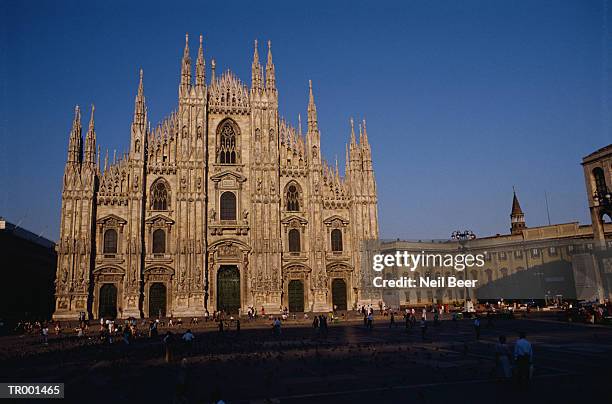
(228,175)
(292,218)
(111,218)
(159,218)
(330,220)
(106,270)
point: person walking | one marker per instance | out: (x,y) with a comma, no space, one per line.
(477,327)
(502,359)
(392,320)
(423,328)
(523,356)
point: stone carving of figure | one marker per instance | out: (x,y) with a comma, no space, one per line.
(212,214)
(245,215)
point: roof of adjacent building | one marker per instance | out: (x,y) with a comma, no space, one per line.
(24,234)
(597,153)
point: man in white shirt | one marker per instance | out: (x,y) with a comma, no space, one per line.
(523,355)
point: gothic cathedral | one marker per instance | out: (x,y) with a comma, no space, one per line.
(223,205)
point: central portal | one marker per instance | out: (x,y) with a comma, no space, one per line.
(157,300)
(228,289)
(296,296)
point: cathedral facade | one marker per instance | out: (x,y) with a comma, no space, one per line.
(221,206)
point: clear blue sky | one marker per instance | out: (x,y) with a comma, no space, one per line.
(463,99)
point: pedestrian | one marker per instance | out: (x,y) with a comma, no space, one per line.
(392,320)
(169,345)
(502,359)
(523,356)
(45,334)
(315,322)
(423,327)
(221,325)
(477,327)
(238,326)
(370,321)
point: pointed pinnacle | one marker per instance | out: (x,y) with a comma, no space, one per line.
(186,51)
(140,83)
(91,120)
(269,52)
(255,53)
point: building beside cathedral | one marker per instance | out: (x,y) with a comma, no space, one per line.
(221,206)
(566,261)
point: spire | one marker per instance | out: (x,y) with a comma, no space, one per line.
(75,143)
(213,66)
(90,140)
(139,104)
(353,141)
(270,74)
(201,66)
(365,134)
(516,206)
(256,77)
(517,218)
(313,125)
(346,160)
(300,124)
(186,68)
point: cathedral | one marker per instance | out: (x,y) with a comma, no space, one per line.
(221,206)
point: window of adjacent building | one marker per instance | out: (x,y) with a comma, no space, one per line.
(294,240)
(535,252)
(552,251)
(159,241)
(600,181)
(159,196)
(227,144)
(518,254)
(110,241)
(487,256)
(589,246)
(293,199)
(502,255)
(336,240)
(228,206)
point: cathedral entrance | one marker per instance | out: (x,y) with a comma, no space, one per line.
(339,294)
(296,296)
(228,289)
(108,301)
(157,300)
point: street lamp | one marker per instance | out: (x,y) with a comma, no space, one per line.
(463,237)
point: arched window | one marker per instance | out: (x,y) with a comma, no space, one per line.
(159,241)
(227,144)
(600,181)
(336,240)
(159,196)
(228,206)
(293,199)
(110,241)
(294,240)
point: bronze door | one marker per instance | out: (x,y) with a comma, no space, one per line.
(157,300)
(108,301)
(339,294)
(228,289)
(296,296)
